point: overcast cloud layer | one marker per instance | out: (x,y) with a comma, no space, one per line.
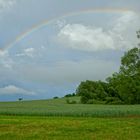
(54,59)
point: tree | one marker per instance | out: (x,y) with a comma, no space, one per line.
(121,87)
(126,83)
(91,91)
(129,77)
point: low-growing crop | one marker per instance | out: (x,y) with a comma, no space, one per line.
(59,107)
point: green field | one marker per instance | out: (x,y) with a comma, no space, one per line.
(56,120)
(59,107)
(68,128)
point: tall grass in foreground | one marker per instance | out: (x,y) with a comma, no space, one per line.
(59,107)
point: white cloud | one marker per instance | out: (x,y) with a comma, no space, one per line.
(3,53)
(12,90)
(60,23)
(6,4)
(85,38)
(5,60)
(29,52)
(117,37)
(127,19)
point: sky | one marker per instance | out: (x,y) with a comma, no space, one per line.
(47,47)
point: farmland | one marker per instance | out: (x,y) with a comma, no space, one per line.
(59,107)
(68,128)
(54,119)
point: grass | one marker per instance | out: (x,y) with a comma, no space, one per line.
(68,128)
(56,120)
(59,107)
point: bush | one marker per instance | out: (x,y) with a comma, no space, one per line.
(70,95)
(93,101)
(70,102)
(55,97)
(113,100)
(90,101)
(73,102)
(84,100)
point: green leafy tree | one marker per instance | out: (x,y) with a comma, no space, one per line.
(91,91)
(129,77)
(121,87)
(126,84)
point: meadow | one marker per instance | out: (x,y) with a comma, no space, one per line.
(54,119)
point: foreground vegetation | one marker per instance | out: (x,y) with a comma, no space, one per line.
(59,107)
(68,128)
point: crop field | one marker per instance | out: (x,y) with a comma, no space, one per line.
(56,120)
(59,107)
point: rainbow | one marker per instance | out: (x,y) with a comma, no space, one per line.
(46,22)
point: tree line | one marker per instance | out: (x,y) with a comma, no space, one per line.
(122,87)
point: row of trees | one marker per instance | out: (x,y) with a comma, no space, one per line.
(121,88)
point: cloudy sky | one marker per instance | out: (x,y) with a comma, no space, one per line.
(47,47)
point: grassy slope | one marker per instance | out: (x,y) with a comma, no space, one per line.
(68,128)
(59,107)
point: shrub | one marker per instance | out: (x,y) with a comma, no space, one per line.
(70,95)
(113,100)
(55,97)
(70,102)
